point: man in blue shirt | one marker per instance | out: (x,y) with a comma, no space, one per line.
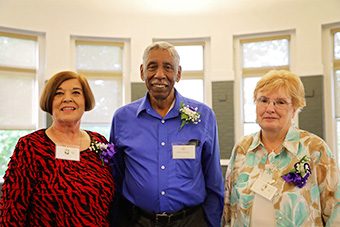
(169,173)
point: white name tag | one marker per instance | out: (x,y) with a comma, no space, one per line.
(183,152)
(67,153)
(264,189)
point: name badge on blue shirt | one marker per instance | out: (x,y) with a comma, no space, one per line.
(182,151)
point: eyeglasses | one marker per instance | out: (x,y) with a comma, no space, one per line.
(278,103)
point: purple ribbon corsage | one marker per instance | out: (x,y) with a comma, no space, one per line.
(300,173)
(106,151)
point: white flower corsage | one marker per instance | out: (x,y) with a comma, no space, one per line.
(189,115)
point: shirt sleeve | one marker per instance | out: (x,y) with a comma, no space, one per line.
(213,203)
(18,186)
(117,173)
(118,159)
(329,185)
(226,219)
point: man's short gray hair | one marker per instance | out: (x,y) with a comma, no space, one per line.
(161,46)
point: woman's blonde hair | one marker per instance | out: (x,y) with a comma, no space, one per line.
(275,80)
(53,84)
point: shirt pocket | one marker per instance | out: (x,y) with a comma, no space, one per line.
(188,168)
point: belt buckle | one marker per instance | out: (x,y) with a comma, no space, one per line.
(159,217)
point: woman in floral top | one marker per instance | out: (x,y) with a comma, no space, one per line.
(281,175)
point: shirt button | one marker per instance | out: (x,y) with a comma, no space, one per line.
(162,143)
(279,218)
(163,121)
(163,192)
(162,167)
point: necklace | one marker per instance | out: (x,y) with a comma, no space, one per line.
(272,149)
(58,139)
(67,152)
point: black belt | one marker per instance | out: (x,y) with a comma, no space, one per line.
(164,218)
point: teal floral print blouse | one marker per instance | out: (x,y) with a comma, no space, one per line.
(315,204)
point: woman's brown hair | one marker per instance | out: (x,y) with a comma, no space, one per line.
(53,84)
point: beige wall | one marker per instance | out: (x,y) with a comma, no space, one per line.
(140,21)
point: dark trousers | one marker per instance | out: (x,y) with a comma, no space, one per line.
(132,216)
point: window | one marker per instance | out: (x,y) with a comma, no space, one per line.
(191,55)
(102,63)
(19,63)
(259,55)
(191,84)
(336,67)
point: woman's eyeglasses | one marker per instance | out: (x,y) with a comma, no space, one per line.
(278,103)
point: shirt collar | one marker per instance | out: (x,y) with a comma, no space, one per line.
(291,142)
(174,109)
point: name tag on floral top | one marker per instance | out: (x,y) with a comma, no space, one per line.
(264,189)
(183,151)
(67,153)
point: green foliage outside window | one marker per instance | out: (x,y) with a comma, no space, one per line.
(8,140)
(101,129)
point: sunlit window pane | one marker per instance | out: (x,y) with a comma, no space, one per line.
(248,95)
(191,88)
(250,128)
(249,108)
(18,52)
(191,57)
(16,109)
(8,140)
(103,129)
(108,96)
(337,45)
(266,53)
(338,138)
(95,57)
(337,93)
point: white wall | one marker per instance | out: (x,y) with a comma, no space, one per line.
(142,20)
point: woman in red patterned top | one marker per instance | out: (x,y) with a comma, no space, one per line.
(53,177)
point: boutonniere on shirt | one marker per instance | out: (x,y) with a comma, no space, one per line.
(189,115)
(106,151)
(300,173)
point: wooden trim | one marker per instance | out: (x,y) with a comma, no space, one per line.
(103,74)
(99,43)
(336,63)
(19,36)
(18,127)
(262,39)
(251,72)
(335,30)
(13,69)
(188,43)
(192,75)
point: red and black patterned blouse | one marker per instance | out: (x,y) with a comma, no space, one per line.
(40,190)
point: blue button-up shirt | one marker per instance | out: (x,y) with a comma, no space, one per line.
(153,180)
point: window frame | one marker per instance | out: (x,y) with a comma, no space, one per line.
(193,74)
(238,70)
(115,75)
(260,71)
(335,68)
(36,73)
